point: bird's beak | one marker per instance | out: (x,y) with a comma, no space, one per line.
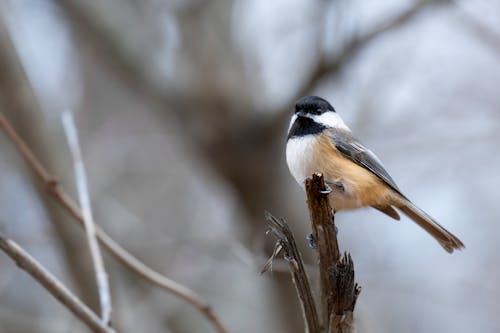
(301,113)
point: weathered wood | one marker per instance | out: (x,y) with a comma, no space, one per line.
(286,243)
(338,289)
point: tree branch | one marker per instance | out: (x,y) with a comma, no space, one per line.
(325,237)
(338,290)
(53,285)
(328,66)
(23,109)
(345,295)
(88,220)
(128,260)
(484,33)
(286,243)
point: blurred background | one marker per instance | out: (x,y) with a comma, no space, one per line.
(182,109)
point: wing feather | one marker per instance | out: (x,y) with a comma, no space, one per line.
(359,154)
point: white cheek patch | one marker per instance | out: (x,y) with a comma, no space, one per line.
(294,117)
(330,119)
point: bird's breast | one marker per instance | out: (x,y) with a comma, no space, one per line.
(308,154)
(300,156)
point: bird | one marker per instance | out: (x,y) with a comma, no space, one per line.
(318,140)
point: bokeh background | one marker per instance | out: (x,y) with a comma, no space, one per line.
(182,109)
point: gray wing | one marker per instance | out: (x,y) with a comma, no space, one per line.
(359,154)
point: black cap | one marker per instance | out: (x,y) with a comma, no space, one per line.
(313,104)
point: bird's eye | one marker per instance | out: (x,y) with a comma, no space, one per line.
(318,111)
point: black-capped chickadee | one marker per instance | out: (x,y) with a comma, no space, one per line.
(319,141)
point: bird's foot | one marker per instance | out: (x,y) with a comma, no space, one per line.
(337,184)
(327,189)
(311,241)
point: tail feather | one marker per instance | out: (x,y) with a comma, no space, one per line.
(445,238)
(389,211)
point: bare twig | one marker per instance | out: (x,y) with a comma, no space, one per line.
(339,292)
(89,224)
(120,254)
(286,243)
(21,105)
(53,285)
(481,30)
(327,66)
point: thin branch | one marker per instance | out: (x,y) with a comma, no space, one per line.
(89,224)
(481,30)
(286,243)
(327,66)
(20,102)
(120,254)
(53,285)
(254,261)
(339,292)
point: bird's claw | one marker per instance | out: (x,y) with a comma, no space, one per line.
(335,183)
(311,242)
(327,190)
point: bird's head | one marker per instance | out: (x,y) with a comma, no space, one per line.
(310,106)
(313,114)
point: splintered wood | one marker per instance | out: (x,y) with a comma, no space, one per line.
(338,288)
